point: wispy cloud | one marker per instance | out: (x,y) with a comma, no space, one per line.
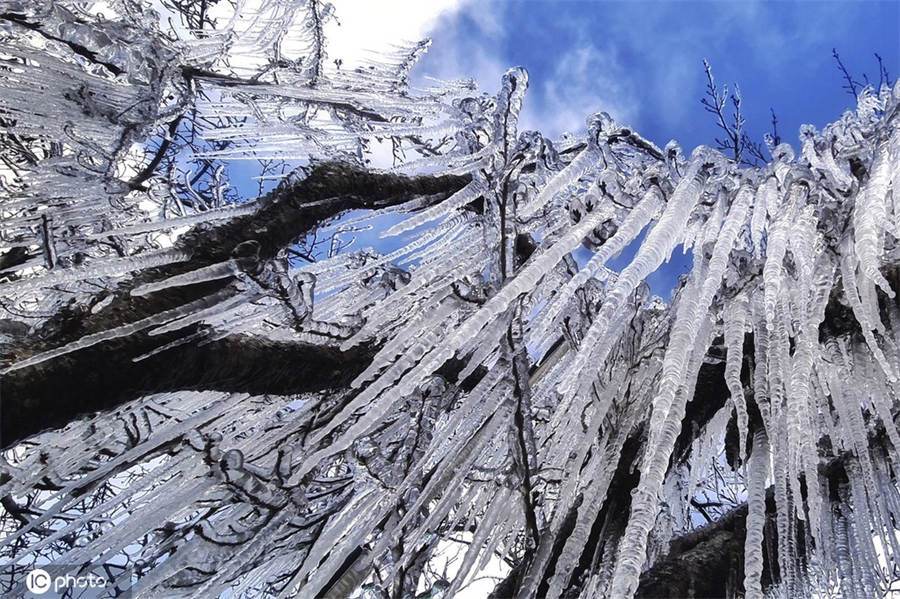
(638,61)
(366,27)
(469,47)
(586,81)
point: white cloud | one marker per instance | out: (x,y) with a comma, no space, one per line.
(367,26)
(590,73)
(461,53)
(586,81)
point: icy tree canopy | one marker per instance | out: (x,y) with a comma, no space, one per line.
(207,389)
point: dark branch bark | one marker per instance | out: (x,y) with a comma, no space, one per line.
(101,377)
(330,189)
(53,393)
(22,21)
(704,563)
(141,177)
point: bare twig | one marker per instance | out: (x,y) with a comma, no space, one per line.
(850,84)
(776,139)
(736,141)
(148,171)
(883,77)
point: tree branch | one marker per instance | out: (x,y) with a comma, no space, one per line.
(53,392)
(77,48)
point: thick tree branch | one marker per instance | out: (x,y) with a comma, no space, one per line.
(702,563)
(80,50)
(100,377)
(53,393)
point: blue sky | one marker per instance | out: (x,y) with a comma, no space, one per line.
(640,61)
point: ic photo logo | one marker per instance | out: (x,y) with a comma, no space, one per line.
(39,581)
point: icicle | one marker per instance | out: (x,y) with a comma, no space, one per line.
(870,218)
(735,316)
(657,245)
(848,275)
(445,129)
(219,309)
(577,473)
(824,160)
(760,217)
(222,270)
(451,227)
(172,344)
(122,331)
(761,359)
(449,163)
(803,459)
(140,485)
(882,401)
(783,505)
(526,280)
(100,268)
(463,451)
(666,416)
(710,229)
(756,516)
(842,555)
(513,86)
(507,531)
(481,536)
(183,221)
(406,344)
(604,463)
(579,165)
(376,399)
(367,518)
(772,270)
(464,196)
(639,216)
(861,530)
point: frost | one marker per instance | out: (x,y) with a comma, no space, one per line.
(238,398)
